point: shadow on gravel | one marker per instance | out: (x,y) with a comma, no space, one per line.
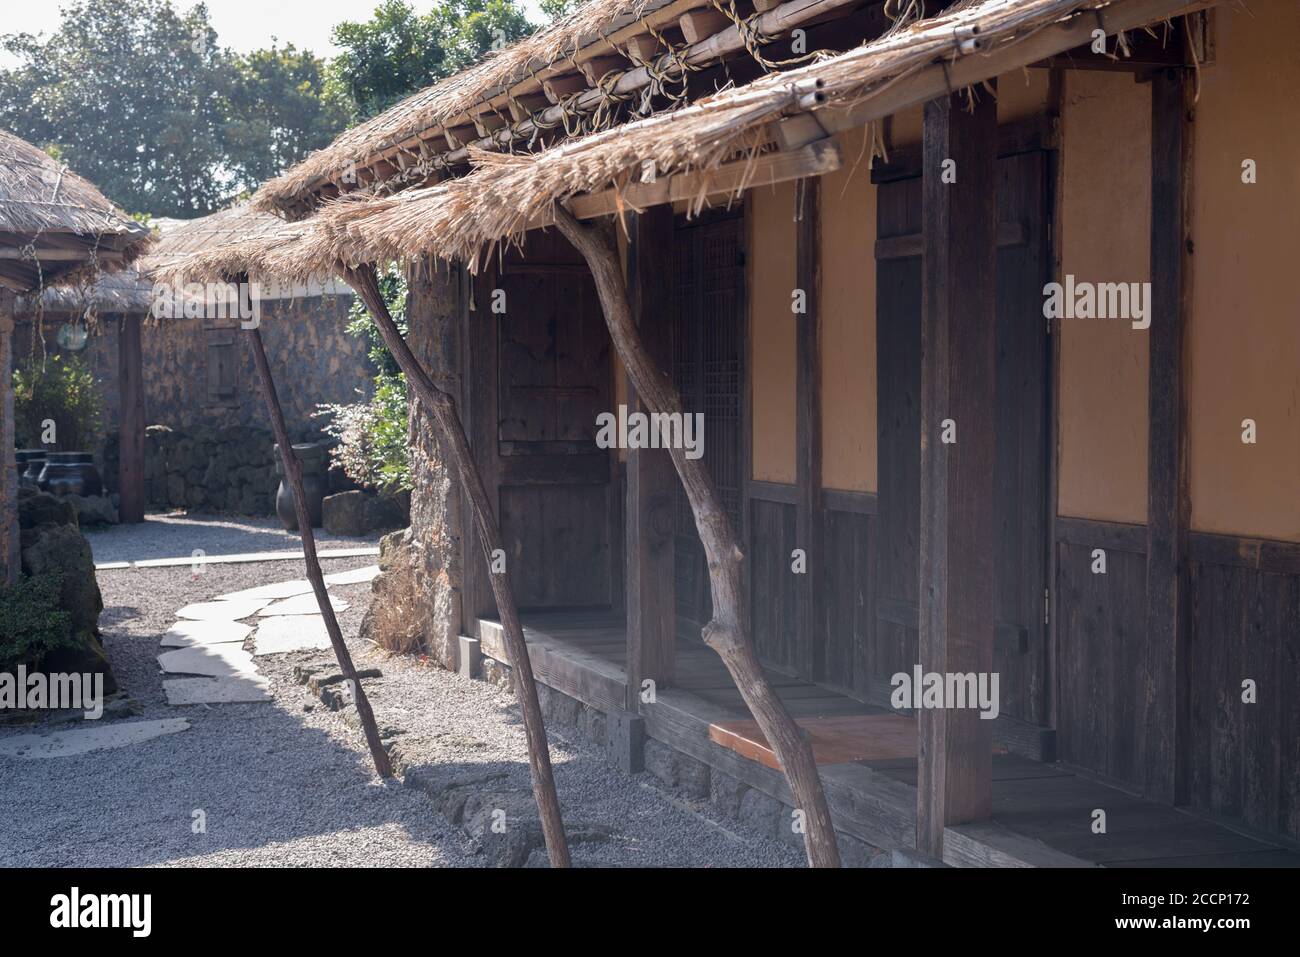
(242,777)
(179,535)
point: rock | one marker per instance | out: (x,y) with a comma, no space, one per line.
(677,770)
(593,725)
(62,550)
(359,513)
(344,513)
(41,509)
(726,792)
(766,815)
(93,510)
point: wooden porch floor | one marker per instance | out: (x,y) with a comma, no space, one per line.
(1042,813)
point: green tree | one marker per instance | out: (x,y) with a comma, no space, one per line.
(143,102)
(277,112)
(399,51)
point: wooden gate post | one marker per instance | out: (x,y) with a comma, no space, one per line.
(651,596)
(10,556)
(959,216)
(130,428)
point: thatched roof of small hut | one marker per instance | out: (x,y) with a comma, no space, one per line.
(508,194)
(54,225)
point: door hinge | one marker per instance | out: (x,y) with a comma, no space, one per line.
(1047,606)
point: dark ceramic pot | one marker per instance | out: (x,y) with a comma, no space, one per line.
(35,465)
(315,485)
(71,473)
(23,459)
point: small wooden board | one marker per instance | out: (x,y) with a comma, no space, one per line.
(835,740)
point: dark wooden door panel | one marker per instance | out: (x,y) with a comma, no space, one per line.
(708,346)
(1020,508)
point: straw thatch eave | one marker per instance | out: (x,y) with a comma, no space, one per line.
(452,97)
(507,194)
(55,226)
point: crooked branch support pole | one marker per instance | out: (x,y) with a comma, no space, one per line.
(293,471)
(728,632)
(440,406)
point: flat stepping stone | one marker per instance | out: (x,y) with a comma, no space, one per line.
(354,577)
(299,586)
(223,610)
(185,633)
(284,633)
(301,605)
(217,661)
(252,688)
(64,744)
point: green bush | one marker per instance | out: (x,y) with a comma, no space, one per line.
(31,622)
(61,388)
(372,447)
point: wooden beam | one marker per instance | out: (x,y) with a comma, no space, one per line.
(698,24)
(728,179)
(809,626)
(1163,710)
(10,554)
(651,480)
(131,419)
(958,431)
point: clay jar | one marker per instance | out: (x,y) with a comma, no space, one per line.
(315,484)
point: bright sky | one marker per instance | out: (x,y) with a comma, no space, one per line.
(242,24)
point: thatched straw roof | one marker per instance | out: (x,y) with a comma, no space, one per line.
(55,225)
(181,238)
(453,96)
(507,194)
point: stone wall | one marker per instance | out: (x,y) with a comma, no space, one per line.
(418,597)
(205,469)
(313,359)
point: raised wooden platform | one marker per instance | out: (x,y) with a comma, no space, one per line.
(1042,813)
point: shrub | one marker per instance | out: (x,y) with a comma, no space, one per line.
(61,388)
(372,446)
(31,622)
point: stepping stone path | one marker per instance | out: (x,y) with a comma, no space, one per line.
(354,577)
(300,605)
(186,633)
(299,586)
(244,689)
(223,610)
(64,744)
(291,633)
(209,639)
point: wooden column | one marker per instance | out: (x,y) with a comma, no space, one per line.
(130,428)
(651,479)
(1163,709)
(10,555)
(959,258)
(810,628)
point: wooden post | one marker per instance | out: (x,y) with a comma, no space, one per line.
(651,482)
(293,471)
(808,429)
(130,428)
(1163,709)
(958,432)
(728,632)
(441,408)
(10,555)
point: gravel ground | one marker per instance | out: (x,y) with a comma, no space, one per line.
(177,534)
(289,783)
